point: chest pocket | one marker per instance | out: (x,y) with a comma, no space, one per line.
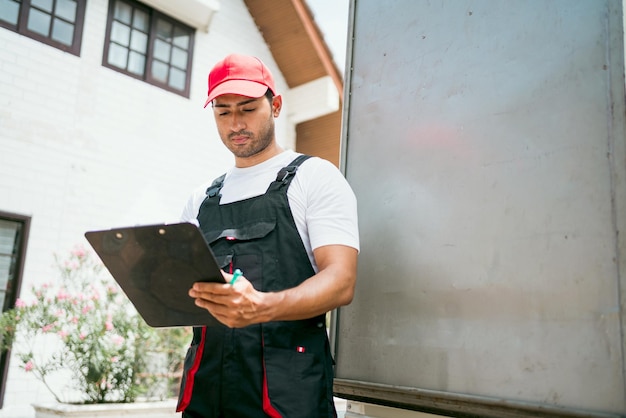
(244,247)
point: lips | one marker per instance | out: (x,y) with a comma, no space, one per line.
(240,137)
(239,140)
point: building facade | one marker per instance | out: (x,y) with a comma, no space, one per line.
(102,125)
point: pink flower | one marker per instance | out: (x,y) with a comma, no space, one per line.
(47,327)
(82,335)
(71,264)
(63,333)
(115,359)
(104,384)
(29,366)
(86,309)
(117,340)
(74,320)
(19,303)
(108,325)
(79,252)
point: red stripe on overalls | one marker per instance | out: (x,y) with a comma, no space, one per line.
(191,375)
(267,404)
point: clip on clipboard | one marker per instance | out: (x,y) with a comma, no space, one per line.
(156,265)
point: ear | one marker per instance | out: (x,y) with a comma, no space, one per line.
(277,105)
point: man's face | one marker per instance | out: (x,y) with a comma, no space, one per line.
(245,124)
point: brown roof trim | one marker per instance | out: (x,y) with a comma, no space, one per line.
(295,40)
(319,44)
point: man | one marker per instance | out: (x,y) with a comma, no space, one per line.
(290,225)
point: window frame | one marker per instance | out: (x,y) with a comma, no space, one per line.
(11,297)
(22,27)
(154,15)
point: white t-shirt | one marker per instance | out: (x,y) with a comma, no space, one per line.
(322,203)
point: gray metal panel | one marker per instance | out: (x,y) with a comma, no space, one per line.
(485,143)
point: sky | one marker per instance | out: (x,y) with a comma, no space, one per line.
(332,18)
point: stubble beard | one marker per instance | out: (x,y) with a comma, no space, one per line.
(255,144)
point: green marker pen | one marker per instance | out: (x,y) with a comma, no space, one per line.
(235,276)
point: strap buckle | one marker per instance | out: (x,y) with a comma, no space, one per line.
(286,172)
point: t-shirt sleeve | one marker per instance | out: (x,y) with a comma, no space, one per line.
(331,208)
(191,208)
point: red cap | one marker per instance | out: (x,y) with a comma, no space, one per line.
(239,74)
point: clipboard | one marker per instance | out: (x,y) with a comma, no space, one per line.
(156,265)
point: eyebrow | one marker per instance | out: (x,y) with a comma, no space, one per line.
(242,103)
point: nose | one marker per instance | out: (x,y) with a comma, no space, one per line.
(237,122)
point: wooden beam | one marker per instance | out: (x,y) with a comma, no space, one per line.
(318,43)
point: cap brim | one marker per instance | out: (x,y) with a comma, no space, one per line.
(241,87)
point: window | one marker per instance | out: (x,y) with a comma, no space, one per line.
(13,236)
(148,45)
(55,22)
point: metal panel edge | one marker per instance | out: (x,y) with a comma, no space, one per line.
(343,145)
(617,146)
(452,404)
(347,89)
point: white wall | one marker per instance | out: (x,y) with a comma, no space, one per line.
(84,147)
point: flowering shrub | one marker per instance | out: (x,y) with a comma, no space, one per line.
(84,325)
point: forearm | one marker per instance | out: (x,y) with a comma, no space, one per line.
(332,287)
(239,304)
(317,295)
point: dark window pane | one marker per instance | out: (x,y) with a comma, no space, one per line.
(181,38)
(13,237)
(139,41)
(9,10)
(39,22)
(123,12)
(120,33)
(164,30)
(159,71)
(136,63)
(141,20)
(144,43)
(118,56)
(58,23)
(8,233)
(177,79)
(66,9)
(179,58)
(42,4)
(162,50)
(63,32)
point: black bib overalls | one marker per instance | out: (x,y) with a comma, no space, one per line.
(275,369)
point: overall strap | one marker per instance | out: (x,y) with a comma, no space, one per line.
(214,189)
(285,175)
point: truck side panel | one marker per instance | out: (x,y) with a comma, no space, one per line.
(485,143)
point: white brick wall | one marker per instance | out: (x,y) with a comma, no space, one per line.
(84,147)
